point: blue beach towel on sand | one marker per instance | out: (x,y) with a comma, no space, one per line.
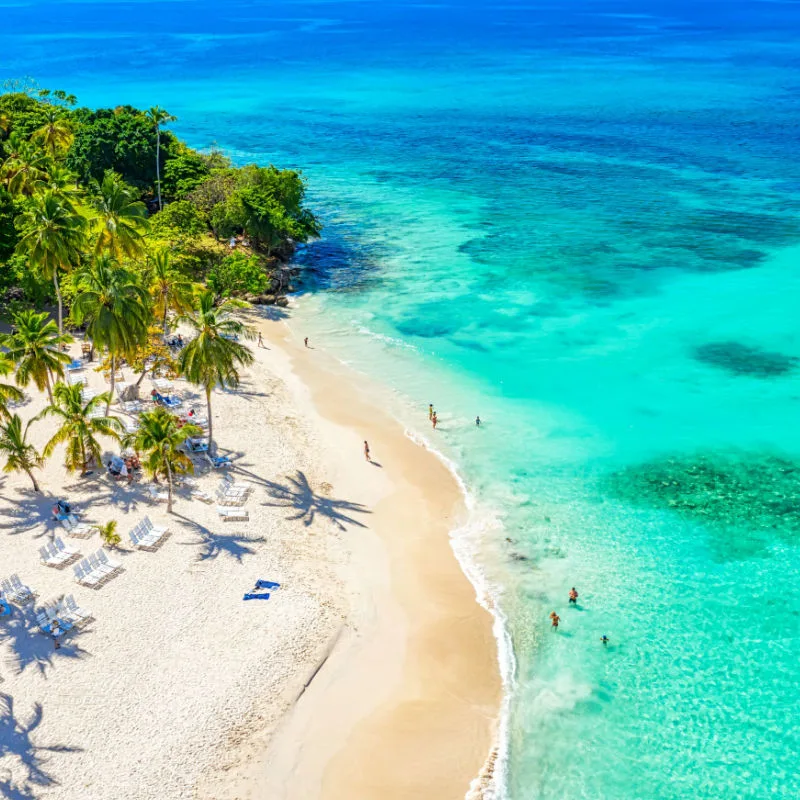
(262,584)
(251,596)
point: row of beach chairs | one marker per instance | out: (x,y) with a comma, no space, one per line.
(78,530)
(146,536)
(231,496)
(16,591)
(96,569)
(61,616)
(56,553)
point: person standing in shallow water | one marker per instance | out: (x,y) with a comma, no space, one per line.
(573,596)
(260,340)
(554,620)
(366,450)
(477,422)
(434,420)
(305,341)
(430,410)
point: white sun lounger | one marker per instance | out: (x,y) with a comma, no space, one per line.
(78,530)
(16,591)
(73,612)
(233,514)
(228,500)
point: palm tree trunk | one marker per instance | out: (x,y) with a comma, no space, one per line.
(113,373)
(47,385)
(210,422)
(33,481)
(158,164)
(166,330)
(169,488)
(60,305)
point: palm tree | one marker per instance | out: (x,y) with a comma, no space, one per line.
(21,455)
(115,309)
(169,289)
(8,393)
(5,121)
(80,426)
(36,347)
(158,116)
(159,438)
(26,167)
(213,356)
(53,237)
(120,219)
(56,133)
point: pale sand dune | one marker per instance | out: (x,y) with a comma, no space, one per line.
(177,688)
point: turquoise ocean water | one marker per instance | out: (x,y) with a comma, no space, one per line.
(579,220)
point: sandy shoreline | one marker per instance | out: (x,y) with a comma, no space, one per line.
(374,644)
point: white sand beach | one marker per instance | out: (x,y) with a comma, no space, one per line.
(370,673)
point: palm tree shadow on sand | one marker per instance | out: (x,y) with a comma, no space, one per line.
(211,545)
(298,494)
(16,742)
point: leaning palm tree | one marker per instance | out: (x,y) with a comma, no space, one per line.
(36,347)
(79,427)
(8,393)
(169,289)
(20,454)
(120,220)
(26,167)
(53,238)
(158,116)
(159,439)
(213,357)
(56,133)
(115,309)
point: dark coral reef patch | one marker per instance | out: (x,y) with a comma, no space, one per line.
(747,500)
(741,359)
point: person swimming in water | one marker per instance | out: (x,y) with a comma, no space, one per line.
(477,422)
(554,620)
(604,639)
(573,596)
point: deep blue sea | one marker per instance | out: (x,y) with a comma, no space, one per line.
(581,221)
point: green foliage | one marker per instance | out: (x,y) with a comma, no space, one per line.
(121,139)
(8,232)
(266,203)
(26,113)
(180,218)
(20,454)
(183,172)
(108,533)
(238,274)
(120,220)
(79,427)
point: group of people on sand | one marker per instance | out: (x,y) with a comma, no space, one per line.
(572,601)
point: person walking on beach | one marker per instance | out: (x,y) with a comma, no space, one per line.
(430,410)
(573,596)
(554,620)
(260,340)
(477,422)
(434,420)
(366,450)
(305,341)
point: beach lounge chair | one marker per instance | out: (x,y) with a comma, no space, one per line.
(256,596)
(219,462)
(75,365)
(233,514)
(233,489)
(71,611)
(51,556)
(132,406)
(75,379)
(16,591)
(5,607)
(156,493)
(78,530)
(231,500)
(197,445)
(163,385)
(88,394)
(85,574)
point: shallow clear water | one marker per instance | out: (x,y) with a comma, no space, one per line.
(580,221)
